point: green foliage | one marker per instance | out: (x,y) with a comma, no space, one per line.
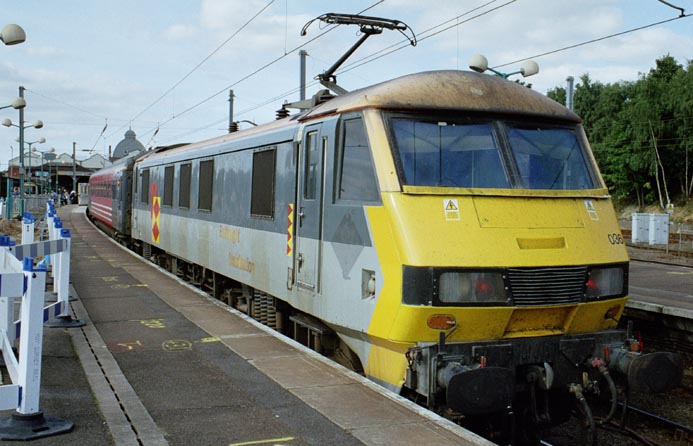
(630,124)
(558,94)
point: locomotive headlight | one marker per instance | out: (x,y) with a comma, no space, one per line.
(604,282)
(445,287)
(457,287)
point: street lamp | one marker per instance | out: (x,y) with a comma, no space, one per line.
(17,103)
(12,34)
(479,64)
(8,123)
(50,155)
(38,141)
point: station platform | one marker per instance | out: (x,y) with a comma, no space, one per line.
(160,363)
(660,283)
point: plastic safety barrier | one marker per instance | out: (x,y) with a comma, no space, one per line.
(21,278)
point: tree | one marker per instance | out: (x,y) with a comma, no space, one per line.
(640,132)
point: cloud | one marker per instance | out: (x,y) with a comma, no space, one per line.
(179,32)
(45,51)
(228,14)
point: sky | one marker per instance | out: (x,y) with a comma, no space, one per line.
(163,68)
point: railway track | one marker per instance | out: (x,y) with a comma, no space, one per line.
(658,420)
(634,427)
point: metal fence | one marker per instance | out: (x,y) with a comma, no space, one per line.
(36,204)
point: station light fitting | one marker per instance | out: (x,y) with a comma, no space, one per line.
(12,34)
(479,63)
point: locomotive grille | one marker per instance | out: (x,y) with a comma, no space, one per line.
(547,286)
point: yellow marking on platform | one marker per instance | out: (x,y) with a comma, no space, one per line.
(110,278)
(273,441)
(681,273)
(122,286)
(153,323)
(129,345)
(176,345)
(207,340)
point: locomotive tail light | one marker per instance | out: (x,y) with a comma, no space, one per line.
(634,346)
(469,287)
(602,282)
(641,344)
(442,322)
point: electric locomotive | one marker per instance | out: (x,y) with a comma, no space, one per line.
(448,233)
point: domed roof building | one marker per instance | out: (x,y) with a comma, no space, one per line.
(127,146)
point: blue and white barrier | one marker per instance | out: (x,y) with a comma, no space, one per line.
(24,371)
(21,279)
(28,226)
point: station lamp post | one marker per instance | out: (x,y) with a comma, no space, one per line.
(18,103)
(13,34)
(38,141)
(8,123)
(49,155)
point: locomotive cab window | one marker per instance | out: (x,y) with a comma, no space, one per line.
(446,151)
(206,185)
(549,158)
(262,193)
(357,181)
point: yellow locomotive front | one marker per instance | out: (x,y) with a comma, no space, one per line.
(504,271)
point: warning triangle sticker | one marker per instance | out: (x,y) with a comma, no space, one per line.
(450,206)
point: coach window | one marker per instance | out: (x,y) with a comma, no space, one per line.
(262,194)
(184,186)
(356,175)
(206,184)
(144,191)
(168,186)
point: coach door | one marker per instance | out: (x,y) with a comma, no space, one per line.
(309,208)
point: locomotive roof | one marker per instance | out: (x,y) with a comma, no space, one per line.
(451,90)
(430,90)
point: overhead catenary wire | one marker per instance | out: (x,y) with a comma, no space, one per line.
(257,71)
(67,104)
(599,39)
(199,64)
(99,137)
(423,36)
(76,108)
(403,44)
